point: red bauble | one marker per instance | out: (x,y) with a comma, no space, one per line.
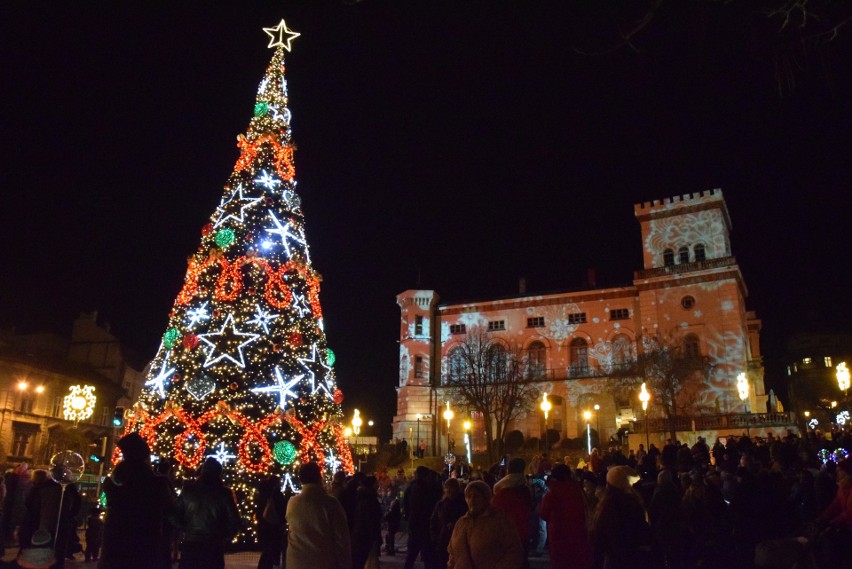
(207,229)
(190,341)
(176,377)
(234,386)
(295,339)
(276,348)
(337,397)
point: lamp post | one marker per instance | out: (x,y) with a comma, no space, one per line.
(743,389)
(356,428)
(842,374)
(467,443)
(598,416)
(545,408)
(645,398)
(417,451)
(448,416)
(587,415)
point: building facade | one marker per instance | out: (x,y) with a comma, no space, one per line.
(37,372)
(690,290)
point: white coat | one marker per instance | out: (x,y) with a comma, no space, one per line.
(319,535)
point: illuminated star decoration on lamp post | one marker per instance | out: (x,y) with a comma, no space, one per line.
(645,397)
(545,408)
(228,341)
(281,34)
(843,378)
(281,387)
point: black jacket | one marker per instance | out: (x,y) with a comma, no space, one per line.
(207,512)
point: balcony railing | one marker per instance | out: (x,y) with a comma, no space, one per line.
(685,267)
(714,422)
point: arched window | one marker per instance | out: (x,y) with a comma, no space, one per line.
(495,365)
(578,352)
(621,352)
(691,346)
(700,253)
(683,255)
(536,364)
(456,365)
(668,257)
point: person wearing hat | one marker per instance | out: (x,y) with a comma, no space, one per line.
(620,535)
(564,509)
(207,515)
(484,538)
(137,501)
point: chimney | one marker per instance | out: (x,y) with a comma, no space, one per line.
(591,278)
(522,285)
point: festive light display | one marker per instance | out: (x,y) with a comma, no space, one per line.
(244,373)
(79,404)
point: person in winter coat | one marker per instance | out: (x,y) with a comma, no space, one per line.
(667,524)
(447,512)
(137,501)
(418,503)
(318,536)
(484,538)
(839,512)
(564,509)
(94,534)
(512,496)
(207,515)
(367,526)
(393,517)
(270,512)
(42,511)
(620,536)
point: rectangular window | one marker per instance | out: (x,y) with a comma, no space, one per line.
(457,329)
(418,366)
(577,318)
(105,418)
(535,322)
(56,409)
(26,406)
(494,325)
(418,325)
(20,443)
(827,360)
(619,314)
(807,361)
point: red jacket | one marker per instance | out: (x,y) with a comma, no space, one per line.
(839,512)
(513,497)
(564,510)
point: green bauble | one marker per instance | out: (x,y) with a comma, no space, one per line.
(224,237)
(171,337)
(284,452)
(330,358)
(260,109)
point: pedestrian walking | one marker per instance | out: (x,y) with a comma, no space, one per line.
(620,536)
(94,534)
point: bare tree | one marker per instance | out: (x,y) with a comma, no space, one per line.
(487,375)
(672,368)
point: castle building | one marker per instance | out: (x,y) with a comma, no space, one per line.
(690,290)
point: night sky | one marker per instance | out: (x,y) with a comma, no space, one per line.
(448,145)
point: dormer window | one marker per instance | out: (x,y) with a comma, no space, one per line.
(683,255)
(668,258)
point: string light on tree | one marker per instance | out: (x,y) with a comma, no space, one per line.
(240,372)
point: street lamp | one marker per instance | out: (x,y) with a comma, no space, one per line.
(467,443)
(356,428)
(598,415)
(587,415)
(417,451)
(448,416)
(743,389)
(545,408)
(843,378)
(645,398)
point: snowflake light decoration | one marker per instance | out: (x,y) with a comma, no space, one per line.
(79,404)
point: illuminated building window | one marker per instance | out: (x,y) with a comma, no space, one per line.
(691,346)
(577,318)
(418,325)
(683,255)
(536,363)
(535,322)
(418,366)
(619,314)
(807,361)
(26,404)
(687,302)
(700,253)
(578,352)
(457,329)
(827,360)
(668,258)
(495,325)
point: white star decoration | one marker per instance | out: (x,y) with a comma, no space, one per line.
(266,180)
(262,318)
(281,35)
(283,231)
(315,386)
(196,315)
(300,306)
(222,455)
(280,115)
(158,382)
(247,203)
(228,343)
(280,387)
(332,461)
(288,483)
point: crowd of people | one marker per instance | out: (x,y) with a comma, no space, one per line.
(742,502)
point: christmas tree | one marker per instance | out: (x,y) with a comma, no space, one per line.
(243,373)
